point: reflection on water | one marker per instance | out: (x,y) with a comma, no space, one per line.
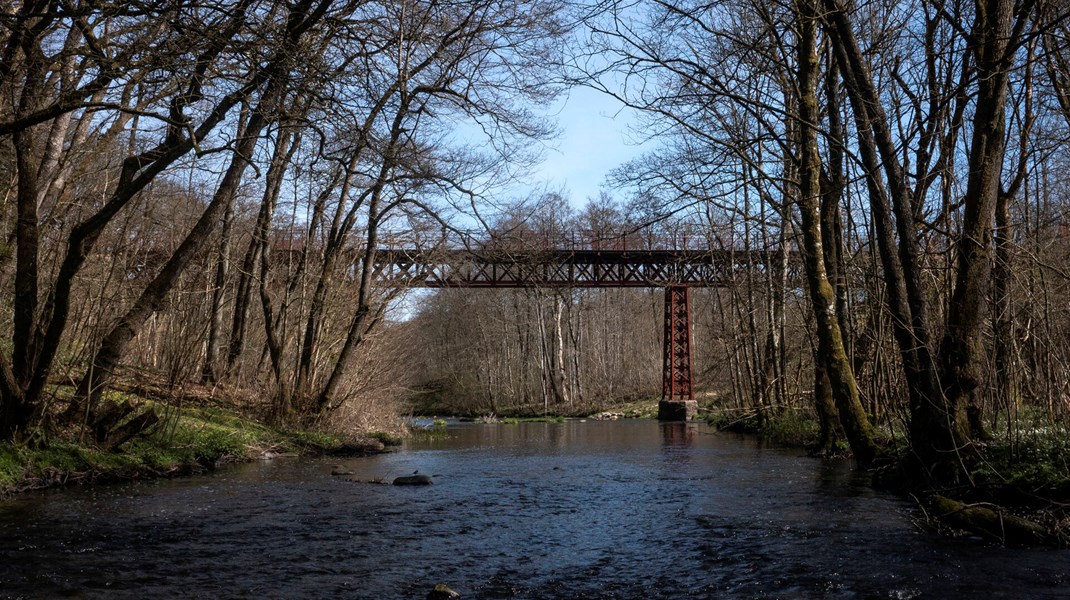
(678,435)
(625,509)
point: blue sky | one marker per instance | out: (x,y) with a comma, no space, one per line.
(595,138)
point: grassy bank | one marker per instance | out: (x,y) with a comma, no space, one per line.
(789,428)
(1031,457)
(433,405)
(1020,481)
(186,441)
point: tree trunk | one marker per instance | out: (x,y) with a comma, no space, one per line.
(280,160)
(831,353)
(560,375)
(16,406)
(931,440)
(283,406)
(962,350)
(831,244)
(827,416)
(1003,323)
(276,76)
(209,370)
(341,223)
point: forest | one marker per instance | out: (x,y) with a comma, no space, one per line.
(194,195)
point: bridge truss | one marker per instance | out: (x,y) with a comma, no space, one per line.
(566,268)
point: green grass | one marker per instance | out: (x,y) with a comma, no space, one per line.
(732,420)
(386,438)
(11,465)
(57,461)
(516,420)
(429,433)
(1036,461)
(186,440)
(794,428)
(638,409)
(791,428)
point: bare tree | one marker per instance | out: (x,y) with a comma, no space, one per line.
(119,57)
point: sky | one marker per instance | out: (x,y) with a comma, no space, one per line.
(595,139)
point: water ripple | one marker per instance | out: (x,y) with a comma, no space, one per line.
(618,510)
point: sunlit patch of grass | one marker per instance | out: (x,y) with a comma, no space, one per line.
(646,408)
(386,438)
(316,442)
(424,434)
(185,440)
(516,420)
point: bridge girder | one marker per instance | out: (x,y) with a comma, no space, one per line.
(566,269)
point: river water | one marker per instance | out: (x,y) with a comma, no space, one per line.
(621,509)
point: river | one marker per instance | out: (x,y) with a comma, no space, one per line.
(619,509)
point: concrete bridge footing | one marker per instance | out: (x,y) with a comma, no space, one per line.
(677,410)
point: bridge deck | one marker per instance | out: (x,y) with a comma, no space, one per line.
(496,268)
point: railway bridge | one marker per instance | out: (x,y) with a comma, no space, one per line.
(676,261)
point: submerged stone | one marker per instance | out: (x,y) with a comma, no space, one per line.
(442,592)
(413,480)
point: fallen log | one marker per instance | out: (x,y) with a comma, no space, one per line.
(993,524)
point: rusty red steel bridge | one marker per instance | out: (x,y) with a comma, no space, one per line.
(676,261)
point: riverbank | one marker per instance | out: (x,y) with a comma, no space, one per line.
(1019,490)
(643,408)
(789,428)
(187,440)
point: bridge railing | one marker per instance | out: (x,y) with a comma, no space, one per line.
(683,238)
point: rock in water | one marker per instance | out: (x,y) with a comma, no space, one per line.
(413,480)
(442,592)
